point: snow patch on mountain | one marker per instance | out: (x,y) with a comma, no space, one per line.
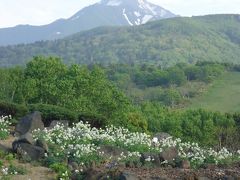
(126,17)
(137,13)
(146,18)
(75,17)
(114,3)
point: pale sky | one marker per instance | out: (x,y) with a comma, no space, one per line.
(39,12)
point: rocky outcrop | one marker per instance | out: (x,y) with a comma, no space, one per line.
(29,123)
(25,146)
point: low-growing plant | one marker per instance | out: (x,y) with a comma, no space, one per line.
(4,127)
(62,171)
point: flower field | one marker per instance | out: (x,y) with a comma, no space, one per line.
(82,143)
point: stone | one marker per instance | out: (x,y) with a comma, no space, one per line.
(65,123)
(185,164)
(128,176)
(168,154)
(111,151)
(26,138)
(202,178)
(153,157)
(74,165)
(93,174)
(161,136)
(29,123)
(27,150)
(42,144)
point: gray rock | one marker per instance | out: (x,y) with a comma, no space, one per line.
(28,150)
(26,138)
(74,165)
(128,176)
(161,136)
(42,144)
(29,123)
(111,151)
(203,178)
(168,154)
(153,156)
(65,123)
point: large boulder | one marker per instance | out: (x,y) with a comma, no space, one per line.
(28,151)
(161,136)
(29,123)
(65,123)
(42,144)
(26,138)
(169,154)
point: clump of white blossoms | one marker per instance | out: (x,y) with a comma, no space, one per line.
(81,141)
(4,126)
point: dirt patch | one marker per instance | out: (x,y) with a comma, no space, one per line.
(33,172)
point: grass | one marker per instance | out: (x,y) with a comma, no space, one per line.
(223,95)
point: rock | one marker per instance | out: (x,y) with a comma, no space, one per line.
(42,144)
(185,164)
(65,123)
(28,150)
(161,136)
(93,174)
(111,152)
(128,176)
(70,168)
(129,164)
(150,157)
(74,165)
(168,154)
(26,138)
(203,178)
(29,123)
(210,166)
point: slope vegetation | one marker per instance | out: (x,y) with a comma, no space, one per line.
(223,95)
(165,42)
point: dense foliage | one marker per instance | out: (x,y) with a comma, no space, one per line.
(165,42)
(95,94)
(77,88)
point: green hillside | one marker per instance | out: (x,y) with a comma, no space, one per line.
(223,95)
(165,42)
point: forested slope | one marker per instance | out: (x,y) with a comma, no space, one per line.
(165,42)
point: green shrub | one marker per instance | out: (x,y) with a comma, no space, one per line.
(15,110)
(52,112)
(61,170)
(94,120)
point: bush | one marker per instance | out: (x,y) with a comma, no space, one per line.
(94,120)
(52,112)
(15,110)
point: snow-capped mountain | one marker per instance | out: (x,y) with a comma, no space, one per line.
(104,13)
(136,12)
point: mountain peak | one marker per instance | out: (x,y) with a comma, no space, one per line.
(103,13)
(135,12)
